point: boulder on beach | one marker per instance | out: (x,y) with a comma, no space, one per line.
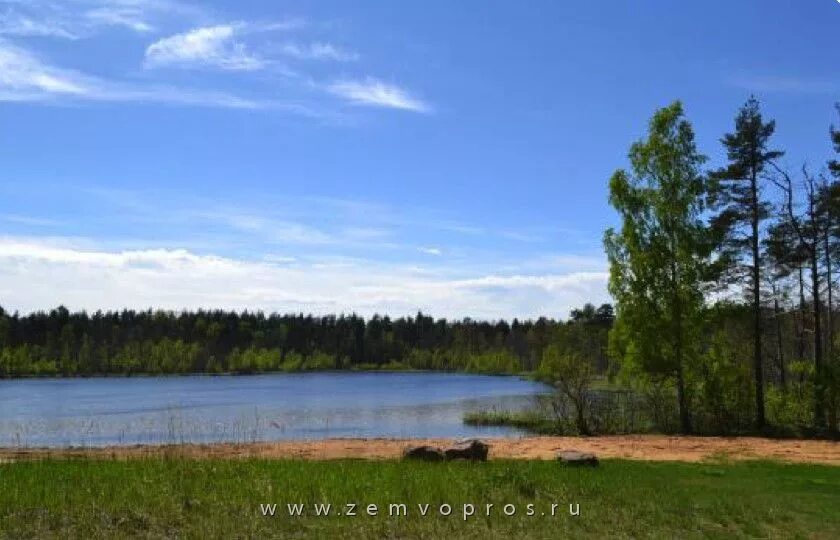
(470,449)
(577,458)
(423,453)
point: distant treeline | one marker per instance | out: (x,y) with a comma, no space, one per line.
(60,343)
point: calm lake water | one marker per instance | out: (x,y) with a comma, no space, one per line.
(156,410)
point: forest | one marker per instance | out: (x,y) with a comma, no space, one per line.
(60,343)
(723,278)
(724,316)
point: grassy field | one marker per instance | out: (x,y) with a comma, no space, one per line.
(214,499)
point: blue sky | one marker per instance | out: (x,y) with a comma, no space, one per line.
(372,156)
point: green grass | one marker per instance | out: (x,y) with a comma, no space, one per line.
(160,498)
(534,421)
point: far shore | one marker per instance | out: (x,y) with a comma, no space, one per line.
(354,369)
(632,447)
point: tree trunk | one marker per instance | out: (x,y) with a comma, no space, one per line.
(685,417)
(829,315)
(832,391)
(758,365)
(682,401)
(801,315)
(779,341)
(819,387)
(583,427)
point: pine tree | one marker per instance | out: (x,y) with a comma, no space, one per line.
(808,228)
(834,164)
(737,195)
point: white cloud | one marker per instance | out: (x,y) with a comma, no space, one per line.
(318,51)
(73,19)
(14,24)
(214,46)
(285,232)
(376,93)
(25,77)
(22,74)
(41,274)
(128,16)
(430,251)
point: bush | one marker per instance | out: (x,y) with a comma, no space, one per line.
(572,375)
(793,406)
(722,388)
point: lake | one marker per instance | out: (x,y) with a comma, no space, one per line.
(159,410)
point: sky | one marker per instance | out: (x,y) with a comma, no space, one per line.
(368,157)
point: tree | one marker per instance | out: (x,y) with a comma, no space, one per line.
(834,164)
(783,255)
(584,314)
(809,228)
(605,315)
(659,258)
(831,207)
(737,195)
(602,315)
(572,374)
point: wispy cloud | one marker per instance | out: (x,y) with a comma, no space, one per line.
(73,19)
(230,46)
(276,231)
(26,77)
(224,46)
(430,251)
(318,51)
(214,46)
(373,92)
(23,75)
(15,24)
(129,16)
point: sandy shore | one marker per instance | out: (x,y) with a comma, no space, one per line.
(640,447)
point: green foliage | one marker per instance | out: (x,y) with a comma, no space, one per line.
(533,421)
(737,195)
(834,164)
(319,361)
(153,342)
(493,362)
(253,360)
(722,386)
(572,374)
(292,362)
(659,257)
(793,406)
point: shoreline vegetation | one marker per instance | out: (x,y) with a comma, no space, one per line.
(532,421)
(540,422)
(60,343)
(221,498)
(388,368)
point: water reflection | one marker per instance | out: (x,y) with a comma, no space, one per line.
(108,411)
